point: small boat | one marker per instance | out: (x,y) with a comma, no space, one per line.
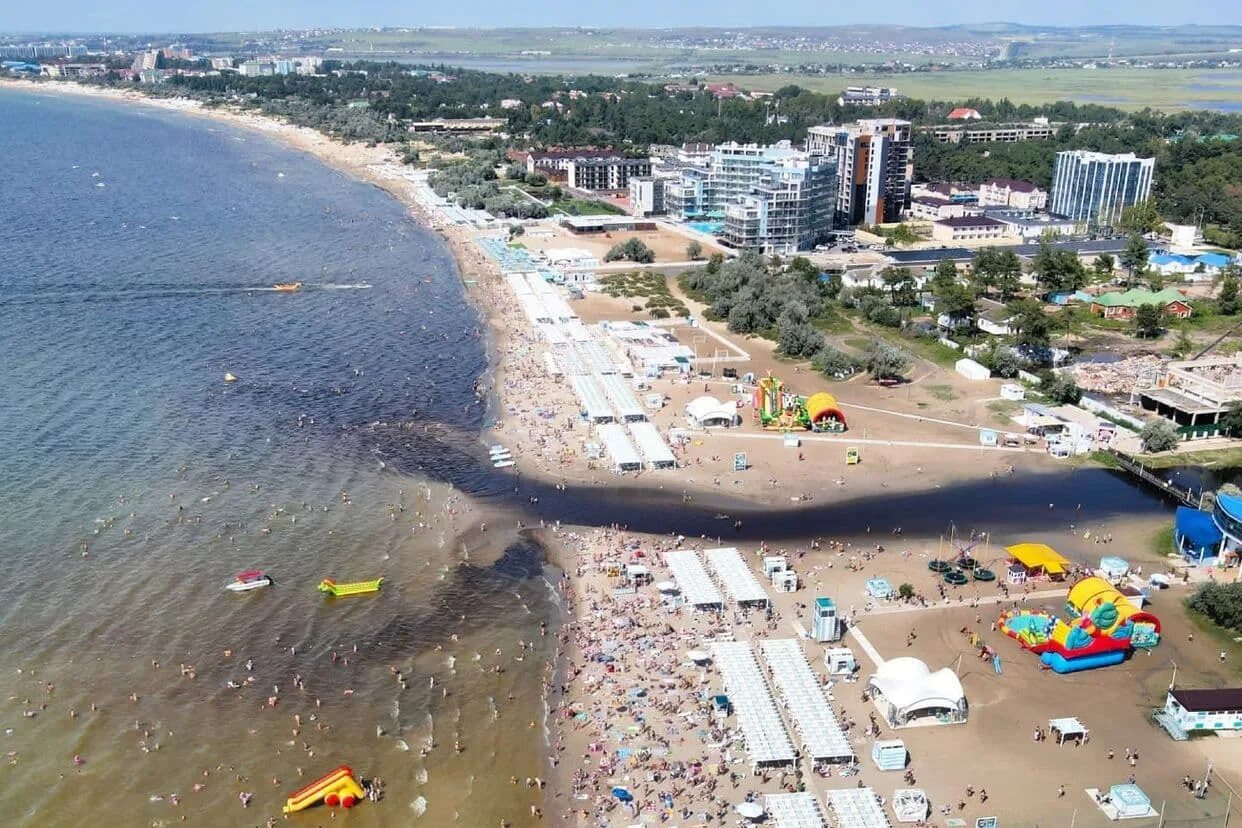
(248,580)
(229,377)
(502,464)
(331,587)
(287,287)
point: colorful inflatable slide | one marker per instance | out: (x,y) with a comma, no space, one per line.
(336,788)
(777,409)
(1103,627)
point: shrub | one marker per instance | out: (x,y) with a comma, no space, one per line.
(1222,603)
(1159,435)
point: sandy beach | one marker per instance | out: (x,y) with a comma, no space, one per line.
(641,718)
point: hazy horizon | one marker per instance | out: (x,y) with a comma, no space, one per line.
(142,17)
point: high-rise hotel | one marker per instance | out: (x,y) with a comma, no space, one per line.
(1094,187)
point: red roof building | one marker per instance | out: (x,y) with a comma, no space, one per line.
(963,113)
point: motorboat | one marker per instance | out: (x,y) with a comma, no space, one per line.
(287,287)
(248,580)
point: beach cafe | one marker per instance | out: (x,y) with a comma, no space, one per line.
(1035,560)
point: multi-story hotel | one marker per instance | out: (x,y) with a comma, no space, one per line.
(1095,187)
(874,167)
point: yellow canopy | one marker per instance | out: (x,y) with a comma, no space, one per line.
(1038,556)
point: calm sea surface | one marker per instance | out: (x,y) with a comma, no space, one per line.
(138,254)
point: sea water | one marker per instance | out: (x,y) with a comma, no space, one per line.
(139,252)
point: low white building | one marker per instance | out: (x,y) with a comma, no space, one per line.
(708,412)
(1008,192)
(1203,710)
(968,228)
(934,208)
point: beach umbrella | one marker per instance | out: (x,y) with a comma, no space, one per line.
(750,810)
(666,586)
(697,656)
(622,795)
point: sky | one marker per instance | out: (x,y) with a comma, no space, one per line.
(248,15)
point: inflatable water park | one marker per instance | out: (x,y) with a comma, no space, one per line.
(778,409)
(1103,627)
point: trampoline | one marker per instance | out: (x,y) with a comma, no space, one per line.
(955,577)
(937,565)
(982,573)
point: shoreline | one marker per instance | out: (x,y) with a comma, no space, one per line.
(570,550)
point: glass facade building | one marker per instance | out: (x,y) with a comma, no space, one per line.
(1094,187)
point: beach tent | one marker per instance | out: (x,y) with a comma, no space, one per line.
(620,450)
(622,398)
(652,446)
(703,412)
(591,398)
(906,690)
(1039,558)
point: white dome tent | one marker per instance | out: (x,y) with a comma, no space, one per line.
(908,693)
(704,412)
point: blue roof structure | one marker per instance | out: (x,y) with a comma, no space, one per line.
(1206,259)
(1230,505)
(1197,534)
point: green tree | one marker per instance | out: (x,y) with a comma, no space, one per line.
(1231,420)
(833,362)
(959,303)
(1103,266)
(1134,256)
(901,286)
(944,278)
(795,336)
(1030,323)
(983,270)
(1159,435)
(1057,270)
(1062,389)
(1148,321)
(1006,362)
(1227,299)
(694,250)
(635,249)
(905,592)
(1140,218)
(885,361)
(714,262)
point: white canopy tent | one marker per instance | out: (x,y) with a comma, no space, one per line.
(735,576)
(652,446)
(856,808)
(1068,728)
(910,691)
(620,450)
(692,579)
(623,399)
(795,810)
(822,736)
(767,741)
(705,412)
(592,398)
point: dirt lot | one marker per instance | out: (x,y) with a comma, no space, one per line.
(668,245)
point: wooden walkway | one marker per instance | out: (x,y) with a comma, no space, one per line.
(1184,496)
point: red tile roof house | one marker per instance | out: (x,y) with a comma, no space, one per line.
(963,113)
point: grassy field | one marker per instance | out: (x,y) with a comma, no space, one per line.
(1126,88)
